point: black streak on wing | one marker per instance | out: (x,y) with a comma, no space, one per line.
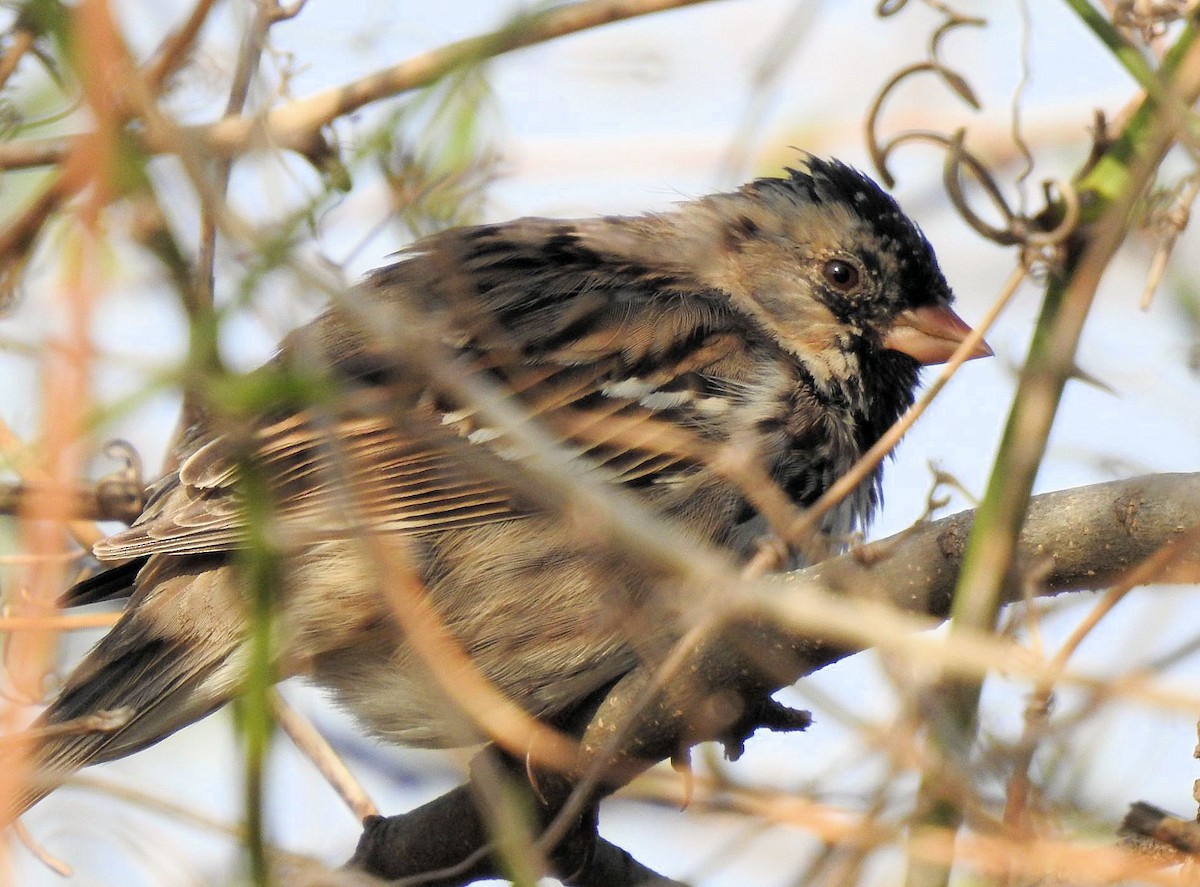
(107,585)
(549,309)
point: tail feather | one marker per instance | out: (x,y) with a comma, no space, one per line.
(148,677)
(107,585)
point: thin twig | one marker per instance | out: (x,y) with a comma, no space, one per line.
(1038,707)
(40,853)
(201,295)
(988,568)
(317,749)
(59,622)
(1172,222)
(294,125)
(104,501)
(22,41)
(173,51)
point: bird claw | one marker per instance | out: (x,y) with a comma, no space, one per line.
(532,777)
(681,762)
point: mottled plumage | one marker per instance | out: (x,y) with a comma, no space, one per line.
(787,319)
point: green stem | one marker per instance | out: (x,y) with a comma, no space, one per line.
(1107,192)
(1125,52)
(261,571)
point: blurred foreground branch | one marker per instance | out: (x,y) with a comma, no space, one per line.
(296,125)
(108,500)
(779,631)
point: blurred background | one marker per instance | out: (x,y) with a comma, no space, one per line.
(622,119)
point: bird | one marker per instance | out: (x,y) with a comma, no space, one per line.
(787,319)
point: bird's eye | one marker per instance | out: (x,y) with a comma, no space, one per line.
(841,275)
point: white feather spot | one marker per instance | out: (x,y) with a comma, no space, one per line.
(631,388)
(712,406)
(665,400)
(483,435)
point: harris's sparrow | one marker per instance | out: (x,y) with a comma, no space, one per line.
(788,319)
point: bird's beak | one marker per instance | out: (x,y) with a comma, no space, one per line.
(931,334)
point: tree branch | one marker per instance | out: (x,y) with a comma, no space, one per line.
(1075,539)
(109,500)
(296,125)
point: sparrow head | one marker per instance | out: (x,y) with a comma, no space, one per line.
(834,269)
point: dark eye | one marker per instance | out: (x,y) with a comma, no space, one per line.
(841,275)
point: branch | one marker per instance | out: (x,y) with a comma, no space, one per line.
(1108,194)
(108,500)
(1081,538)
(296,125)
(1164,831)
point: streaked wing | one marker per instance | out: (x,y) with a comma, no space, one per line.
(613,365)
(330,478)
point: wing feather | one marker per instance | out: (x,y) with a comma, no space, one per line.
(622,388)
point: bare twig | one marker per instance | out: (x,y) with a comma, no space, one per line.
(44,856)
(22,41)
(1038,707)
(58,622)
(77,161)
(989,572)
(200,296)
(173,51)
(1146,820)
(315,747)
(105,501)
(1169,223)
(295,125)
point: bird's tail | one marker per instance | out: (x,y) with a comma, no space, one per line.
(149,676)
